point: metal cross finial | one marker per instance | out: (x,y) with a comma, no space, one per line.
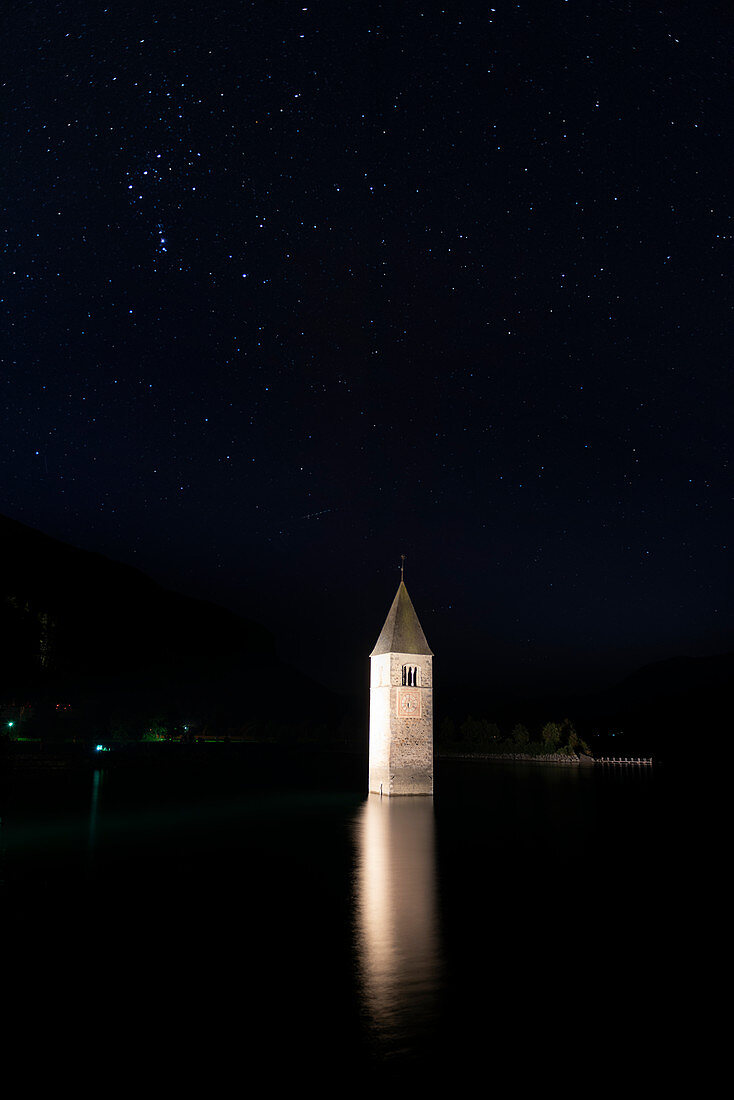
(402,567)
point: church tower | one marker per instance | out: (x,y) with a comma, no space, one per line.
(401,704)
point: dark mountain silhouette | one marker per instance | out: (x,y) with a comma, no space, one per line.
(101,639)
(678,679)
(667,709)
(99,647)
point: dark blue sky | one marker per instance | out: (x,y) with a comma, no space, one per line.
(290,290)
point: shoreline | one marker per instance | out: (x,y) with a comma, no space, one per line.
(556,759)
(51,755)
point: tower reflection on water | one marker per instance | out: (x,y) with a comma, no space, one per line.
(397,935)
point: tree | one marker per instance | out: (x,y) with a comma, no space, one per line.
(520,736)
(480,731)
(471,730)
(156,731)
(447,731)
(551,734)
(574,743)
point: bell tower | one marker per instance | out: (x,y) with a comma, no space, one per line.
(401,704)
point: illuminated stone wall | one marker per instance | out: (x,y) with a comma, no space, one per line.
(380,723)
(401,742)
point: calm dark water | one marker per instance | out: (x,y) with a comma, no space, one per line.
(189,918)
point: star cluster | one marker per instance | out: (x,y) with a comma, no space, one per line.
(289,289)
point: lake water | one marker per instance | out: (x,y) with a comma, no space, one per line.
(188,918)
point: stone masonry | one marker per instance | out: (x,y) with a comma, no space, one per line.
(401,705)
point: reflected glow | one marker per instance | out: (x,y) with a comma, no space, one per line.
(397,938)
(93,810)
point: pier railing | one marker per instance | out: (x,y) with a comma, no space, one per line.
(625,761)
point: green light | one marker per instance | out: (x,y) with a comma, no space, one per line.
(10,725)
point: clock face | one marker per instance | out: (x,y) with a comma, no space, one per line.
(409,704)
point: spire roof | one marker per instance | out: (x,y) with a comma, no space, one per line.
(402,633)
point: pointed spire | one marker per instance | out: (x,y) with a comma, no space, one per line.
(402,632)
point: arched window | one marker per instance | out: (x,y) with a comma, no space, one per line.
(410,676)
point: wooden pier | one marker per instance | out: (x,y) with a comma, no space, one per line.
(626,761)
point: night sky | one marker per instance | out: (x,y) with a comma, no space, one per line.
(288,291)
